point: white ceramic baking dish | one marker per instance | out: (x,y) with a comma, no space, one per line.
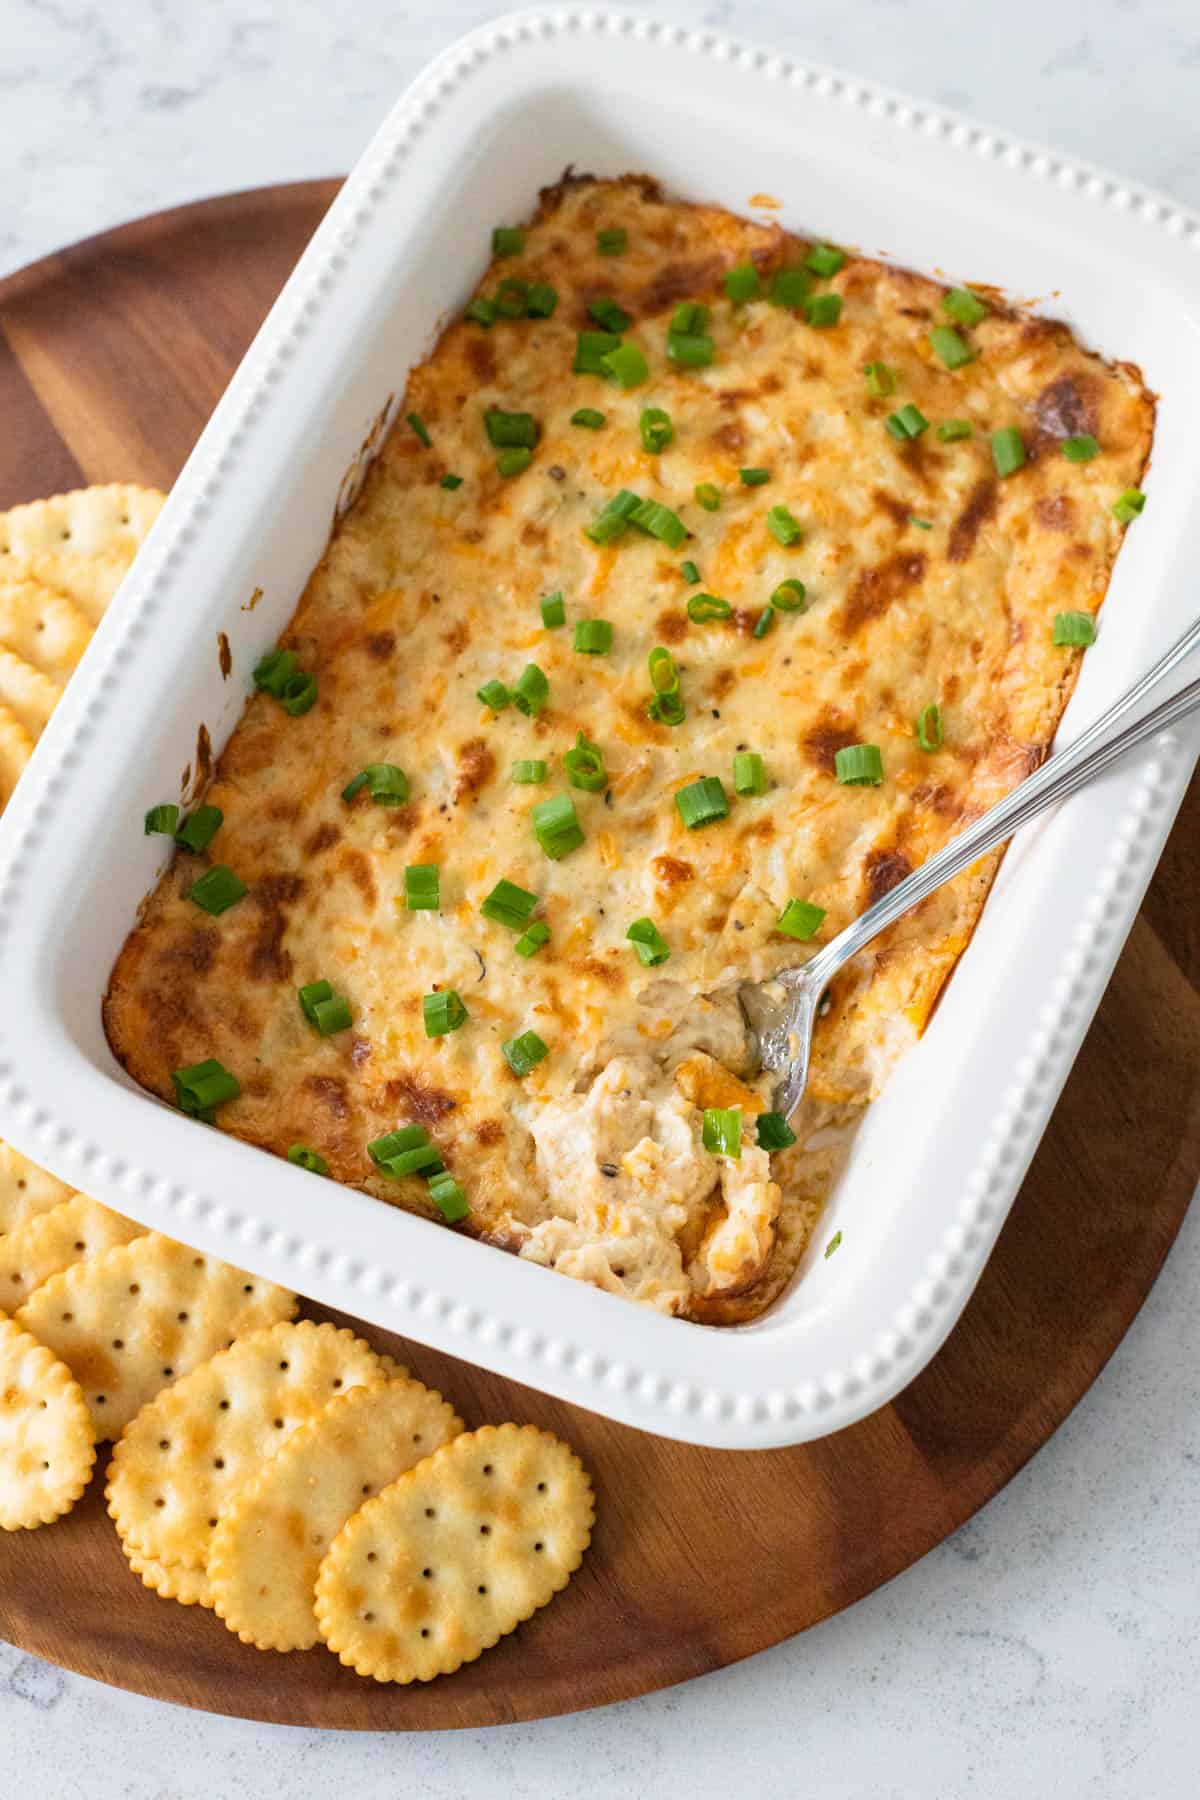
(940,1157)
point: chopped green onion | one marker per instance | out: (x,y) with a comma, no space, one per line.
(507,240)
(201,1087)
(689,571)
(198,831)
(422,1159)
(909,422)
(381,1150)
(508,429)
(822,310)
(584,766)
(660,522)
(1080,449)
(930,734)
(162,819)
(304,1158)
(609,316)
(512,298)
(774,1132)
(754,477)
(613,517)
(963,306)
(708,496)
(859,765)
(749,775)
(648,941)
(588,417)
(556,826)
(482,311)
(691,348)
(217,889)
(703,607)
(542,300)
(532,939)
(524,1053)
(1008,450)
(299,693)
(529,773)
(442,1013)
(789,287)
(881,380)
(386,784)
(626,365)
(593,637)
(449,1198)
(419,426)
(742,283)
(702,802)
(722,1130)
(1130,504)
(689,316)
(451,482)
(554,613)
(531,692)
(495,695)
(611,241)
(921,524)
(954,430)
(513,462)
(591,347)
(507,904)
(664,676)
(833,1244)
(764,621)
(667,709)
(328,1011)
(1074,630)
(800,919)
(422,887)
(783,527)
(273,670)
(790,596)
(825,260)
(950,348)
(656,429)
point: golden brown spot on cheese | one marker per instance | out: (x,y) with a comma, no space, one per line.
(357,866)
(457,638)
(607,972)
(421,1102)
(323,838)
(744,619)
(197,949)
(672,870)
(723,682)
(883,869)
(833,732)
(731,437)
(1068,407)
(877,588)
(489,1132)
(982,502)
(896,509)
(683,280)
(476,766)
(360,1050)
(329,1091)
(672,627)
(534,534)
(380,645)
(1055,512)
(482,358)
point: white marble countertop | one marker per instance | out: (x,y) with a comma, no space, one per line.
(1053,1644)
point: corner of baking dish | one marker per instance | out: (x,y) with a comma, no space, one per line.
(700,1409)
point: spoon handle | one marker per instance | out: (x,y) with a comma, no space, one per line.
(1080,762)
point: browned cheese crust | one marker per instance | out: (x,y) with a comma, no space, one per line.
(425,593)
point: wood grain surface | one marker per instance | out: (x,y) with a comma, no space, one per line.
(112,355)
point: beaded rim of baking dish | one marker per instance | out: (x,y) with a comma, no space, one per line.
(899,1348)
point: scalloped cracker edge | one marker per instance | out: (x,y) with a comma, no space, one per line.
(47,1446)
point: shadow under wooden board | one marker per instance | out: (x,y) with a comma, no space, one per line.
(112,355)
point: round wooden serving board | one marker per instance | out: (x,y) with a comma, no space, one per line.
(112,356)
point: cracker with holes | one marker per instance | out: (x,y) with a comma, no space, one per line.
(196,1445)
(47,1446)
(25,1190)
(455,1554)
(28,695)
(75,1229)
(16,748)
(87,521)
(262,1566)
(142,1315)
(189,1586)
(42,626)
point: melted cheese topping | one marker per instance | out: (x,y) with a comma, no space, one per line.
(594,1164)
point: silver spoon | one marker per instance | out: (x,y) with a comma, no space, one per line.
(781,1012)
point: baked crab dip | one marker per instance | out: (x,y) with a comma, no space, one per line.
(709,580)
